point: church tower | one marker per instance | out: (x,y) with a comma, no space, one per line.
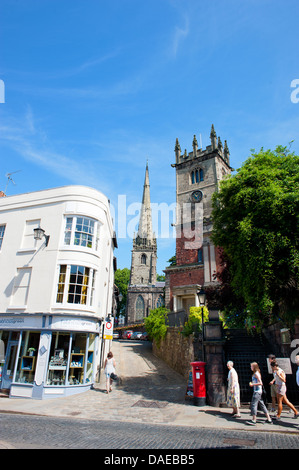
(198,174)
(144,253)
(144,292)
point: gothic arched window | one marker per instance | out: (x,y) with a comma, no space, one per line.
(140,308)
(196,175)
(143,259)
(200,256)
(160,301)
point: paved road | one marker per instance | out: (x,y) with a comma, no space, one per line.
(25,432)
(147,409)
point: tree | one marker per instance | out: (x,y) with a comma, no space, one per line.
(255,220)
(172,261)
(122,279)
(222,297)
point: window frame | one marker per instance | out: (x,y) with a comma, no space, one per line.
(2,226)
(21,284)
(84,290)
(160,301)
(197,175)
(70,231)
(137,308)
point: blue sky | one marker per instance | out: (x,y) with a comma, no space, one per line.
(94,88)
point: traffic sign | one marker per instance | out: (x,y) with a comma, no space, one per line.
(108,329)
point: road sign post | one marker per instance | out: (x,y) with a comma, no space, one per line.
(108,328)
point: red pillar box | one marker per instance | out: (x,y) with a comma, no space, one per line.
(199,383)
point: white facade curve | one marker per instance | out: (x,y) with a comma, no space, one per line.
(54,292)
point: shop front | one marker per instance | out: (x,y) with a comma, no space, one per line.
(44,356)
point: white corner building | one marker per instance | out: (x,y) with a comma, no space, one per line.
(55,291)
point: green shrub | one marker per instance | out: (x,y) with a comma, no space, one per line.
(155,324)
(194,325)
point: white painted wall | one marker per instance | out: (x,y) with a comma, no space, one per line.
(20,251)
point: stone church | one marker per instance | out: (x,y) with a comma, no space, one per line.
(144,292)
(198,174)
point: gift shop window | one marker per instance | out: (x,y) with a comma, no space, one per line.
(77,359)
(71,359)
(27,357)
(59,352)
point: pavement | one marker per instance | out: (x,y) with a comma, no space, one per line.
(148,391)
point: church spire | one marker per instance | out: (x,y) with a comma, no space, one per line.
(145,229)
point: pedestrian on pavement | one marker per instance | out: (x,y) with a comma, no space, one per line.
(280,382)
(233,390)
(273,388)
(257,385)
(109,368)
(297,373)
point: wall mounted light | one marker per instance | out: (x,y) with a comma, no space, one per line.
(39,233)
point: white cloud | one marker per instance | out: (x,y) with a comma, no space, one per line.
(179,35)
(32,144)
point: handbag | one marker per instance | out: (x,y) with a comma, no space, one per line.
(113,376)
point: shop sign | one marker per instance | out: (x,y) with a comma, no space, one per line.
(15,321)
(74,324)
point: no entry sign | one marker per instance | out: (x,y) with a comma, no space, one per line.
(108,329)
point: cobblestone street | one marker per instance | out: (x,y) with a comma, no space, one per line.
(28,432)
(147,409)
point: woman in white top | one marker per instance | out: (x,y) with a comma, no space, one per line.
(280,382)
(109,368)
(233,390)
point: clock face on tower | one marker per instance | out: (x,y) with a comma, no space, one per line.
(196,196)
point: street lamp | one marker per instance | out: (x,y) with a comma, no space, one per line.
(202,301)
(201,297)
(39,233)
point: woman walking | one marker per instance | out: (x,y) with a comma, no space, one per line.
(257,385)
(233,390)
(109,368)
(280,383)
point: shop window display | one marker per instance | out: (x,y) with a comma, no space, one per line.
(77,359)
(58,359)
(70,368)
(3,345)
(27,357)
(90,357)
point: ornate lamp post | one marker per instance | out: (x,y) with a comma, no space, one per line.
(202,301)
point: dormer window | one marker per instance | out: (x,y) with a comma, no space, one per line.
(196,175)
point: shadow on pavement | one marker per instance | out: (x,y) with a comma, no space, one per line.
(154,381)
